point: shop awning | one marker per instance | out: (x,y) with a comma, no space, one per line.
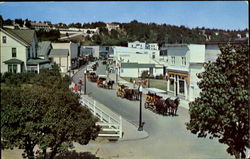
(184,75)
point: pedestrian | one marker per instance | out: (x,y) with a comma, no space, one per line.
(76,88)
(133,83)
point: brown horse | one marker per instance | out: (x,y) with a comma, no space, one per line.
(172,106)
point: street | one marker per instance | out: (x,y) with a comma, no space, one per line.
(168,137)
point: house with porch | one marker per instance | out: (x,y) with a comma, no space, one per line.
(18,51)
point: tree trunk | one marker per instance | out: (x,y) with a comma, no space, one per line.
(237,155)
(44,153)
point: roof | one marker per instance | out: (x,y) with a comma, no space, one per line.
(43,47)
(25,36)
(137,65)
(129,65)
(39,24)
(13,61)
(59,52)
(37,61)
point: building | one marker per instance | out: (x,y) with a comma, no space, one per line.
(152,46)
(43,50)
(38,26)
(19,51)
(61,58)
(143,45)
(131,62)
(137,44)
(183,62)
(111,26)
(73,49)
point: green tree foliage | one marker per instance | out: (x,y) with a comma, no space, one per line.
(20,22)
(51,35)
(45,113)
(8,22)
(222,109)
(27,23)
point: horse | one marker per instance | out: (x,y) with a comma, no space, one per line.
(110,84)
(172,105)
(160,106)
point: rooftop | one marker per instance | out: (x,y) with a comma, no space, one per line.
(59,53)
(42,48)
(25,36)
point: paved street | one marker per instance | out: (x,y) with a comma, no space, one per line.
(168,137)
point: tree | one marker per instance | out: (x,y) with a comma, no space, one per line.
(222,109)
(43,114)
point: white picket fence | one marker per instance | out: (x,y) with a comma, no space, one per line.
(110,125)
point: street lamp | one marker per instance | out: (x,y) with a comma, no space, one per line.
(140,112)
(85,81)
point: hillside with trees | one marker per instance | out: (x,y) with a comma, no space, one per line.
(145,32)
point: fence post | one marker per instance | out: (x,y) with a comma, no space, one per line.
(94,108)
(120,127)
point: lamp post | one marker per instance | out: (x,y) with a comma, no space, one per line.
(140,112)
(116,75)
(85,81)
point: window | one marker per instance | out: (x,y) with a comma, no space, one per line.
(181,85)
(173,60)
(164,53)
(4,40)
(183,61)
(15,68)
(171,87)
(13,52)
(12,68)
(9,68)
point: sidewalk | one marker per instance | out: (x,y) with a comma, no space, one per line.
(183,103)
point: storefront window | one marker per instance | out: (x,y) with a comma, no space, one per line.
(181,85)
(171,87)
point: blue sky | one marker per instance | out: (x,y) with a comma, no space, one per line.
(215,14)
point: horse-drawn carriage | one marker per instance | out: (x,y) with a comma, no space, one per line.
(160,105)
(124,91)
(103,82)
(91,75)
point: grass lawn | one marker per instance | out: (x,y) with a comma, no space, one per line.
(154,83)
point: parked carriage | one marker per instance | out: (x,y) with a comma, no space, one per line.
(160,105)
(104,82)
(92,76)
(101,81)
(124,91)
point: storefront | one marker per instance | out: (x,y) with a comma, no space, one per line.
(178,83)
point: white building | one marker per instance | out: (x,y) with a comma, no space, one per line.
(38,26)
(183,62)
(73,49)
(131,62)
(152,46)
(61,58)
(18,51)
(143,45)
(111,26)
(137,44)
